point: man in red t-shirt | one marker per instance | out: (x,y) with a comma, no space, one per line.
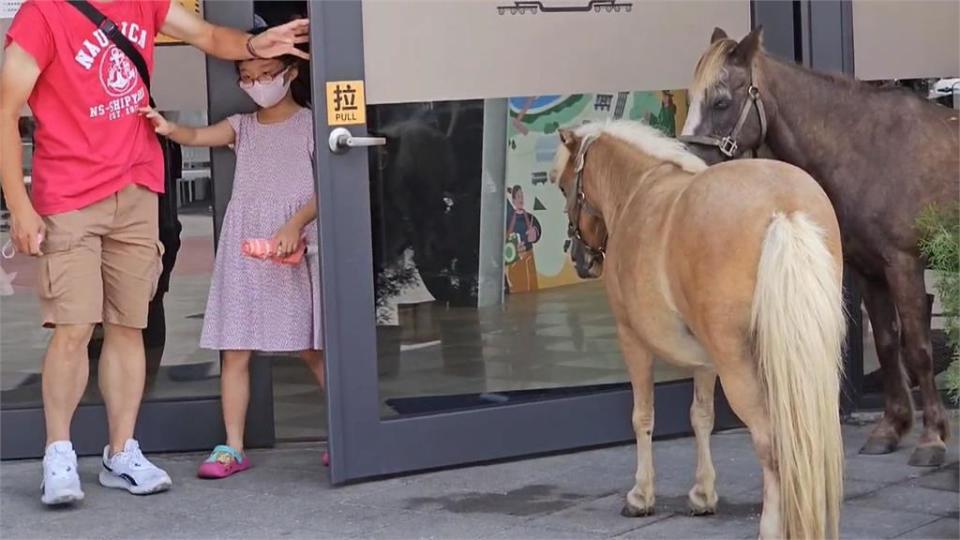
(97,172)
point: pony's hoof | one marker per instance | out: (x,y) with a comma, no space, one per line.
(876,446)
(928,456)
(697,511)
(631,511)
(701,504)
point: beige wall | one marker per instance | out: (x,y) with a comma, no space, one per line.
(906,39)
(179,78)
(417,50)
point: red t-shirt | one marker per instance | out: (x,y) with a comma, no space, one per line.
(91,142)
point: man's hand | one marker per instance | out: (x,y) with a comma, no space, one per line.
(282,40)
(27,230)
(231,44)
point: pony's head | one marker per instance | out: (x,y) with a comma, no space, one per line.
(726,116)
(586,229)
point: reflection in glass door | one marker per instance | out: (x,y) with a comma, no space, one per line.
(546,333)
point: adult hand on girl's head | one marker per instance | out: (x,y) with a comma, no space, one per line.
(282,40)
(160,124)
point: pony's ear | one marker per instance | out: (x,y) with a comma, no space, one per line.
(718,34)
(744,52)
(568,138)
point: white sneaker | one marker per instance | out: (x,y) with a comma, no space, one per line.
(61,483)
(131,471)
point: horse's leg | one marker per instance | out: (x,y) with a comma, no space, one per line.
(905,277)
(741,385)
(703,495)
(640,499)
(898,409)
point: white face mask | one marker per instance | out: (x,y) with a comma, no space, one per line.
(268,94)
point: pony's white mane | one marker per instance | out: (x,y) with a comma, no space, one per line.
(646,139)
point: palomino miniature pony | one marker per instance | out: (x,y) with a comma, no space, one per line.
(733,270)
(883,156)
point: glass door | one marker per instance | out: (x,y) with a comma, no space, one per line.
(456,329)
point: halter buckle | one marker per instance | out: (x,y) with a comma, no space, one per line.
(728,146)
(753,92)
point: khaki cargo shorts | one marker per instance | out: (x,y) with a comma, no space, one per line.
(102,263)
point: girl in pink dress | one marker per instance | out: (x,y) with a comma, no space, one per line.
(260,303)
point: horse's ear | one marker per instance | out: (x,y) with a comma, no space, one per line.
(744,52)
(718,34)
(568,138)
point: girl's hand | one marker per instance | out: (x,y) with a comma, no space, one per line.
(287,239)
(160,124)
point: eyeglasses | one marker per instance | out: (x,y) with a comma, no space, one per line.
(266,78)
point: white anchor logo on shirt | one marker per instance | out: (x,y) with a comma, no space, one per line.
(117,73)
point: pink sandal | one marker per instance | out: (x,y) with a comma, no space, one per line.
(224,461)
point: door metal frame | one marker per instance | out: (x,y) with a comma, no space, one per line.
(362,445)
(827,40)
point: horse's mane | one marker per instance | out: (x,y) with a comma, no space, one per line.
(711,65)
(646,139)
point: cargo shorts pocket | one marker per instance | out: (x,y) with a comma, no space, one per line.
(55,265)
(157,270)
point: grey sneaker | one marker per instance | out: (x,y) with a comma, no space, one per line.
(131,471)
(61,483)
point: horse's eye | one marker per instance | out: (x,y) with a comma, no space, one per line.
(721,104)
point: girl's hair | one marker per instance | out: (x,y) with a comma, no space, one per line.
(299,87)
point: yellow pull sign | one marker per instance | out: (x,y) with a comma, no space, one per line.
(346,104)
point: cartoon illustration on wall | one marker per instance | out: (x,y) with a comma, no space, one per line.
(533,122)
(523,231)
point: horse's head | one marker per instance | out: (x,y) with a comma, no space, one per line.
(726,116)
(586,230)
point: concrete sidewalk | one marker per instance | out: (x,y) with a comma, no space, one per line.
(569,496)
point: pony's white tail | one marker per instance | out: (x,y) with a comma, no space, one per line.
(798,327)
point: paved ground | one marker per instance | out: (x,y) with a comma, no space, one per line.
(559,497)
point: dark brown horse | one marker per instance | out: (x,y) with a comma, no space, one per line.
(883,156)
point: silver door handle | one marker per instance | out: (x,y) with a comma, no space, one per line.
(342,140)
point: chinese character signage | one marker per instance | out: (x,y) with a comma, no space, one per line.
(346,104)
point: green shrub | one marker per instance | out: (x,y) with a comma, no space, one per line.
(940,244)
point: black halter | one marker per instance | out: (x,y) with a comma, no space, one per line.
(729,146)
(582,205)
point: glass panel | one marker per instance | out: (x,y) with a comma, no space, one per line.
(176,368)
(461,326)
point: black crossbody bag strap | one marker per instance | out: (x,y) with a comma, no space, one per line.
(113,32)
(169,223)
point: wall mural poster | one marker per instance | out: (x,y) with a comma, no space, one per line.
(536,224)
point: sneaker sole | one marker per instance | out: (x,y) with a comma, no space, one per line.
(62,498)
(109,480)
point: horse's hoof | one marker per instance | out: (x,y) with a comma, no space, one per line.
(701,504)
(876,446)
(928,456)
(702,511)
(630,511)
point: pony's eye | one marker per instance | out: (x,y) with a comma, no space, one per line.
(721,104)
